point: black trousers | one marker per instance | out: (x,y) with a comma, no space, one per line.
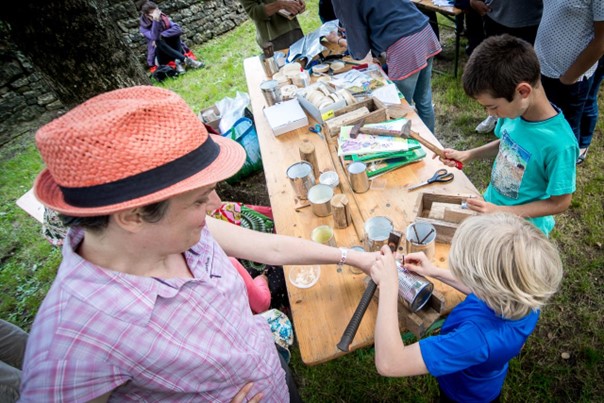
(168,49)
(294,397)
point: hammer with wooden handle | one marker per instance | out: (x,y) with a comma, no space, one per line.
(407,133)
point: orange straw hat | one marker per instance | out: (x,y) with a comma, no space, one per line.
(129,148)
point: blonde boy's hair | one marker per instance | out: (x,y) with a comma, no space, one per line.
(506,262)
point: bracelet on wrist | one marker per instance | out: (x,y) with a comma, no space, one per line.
(343,255)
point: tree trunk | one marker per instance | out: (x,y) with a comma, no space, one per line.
(77,44)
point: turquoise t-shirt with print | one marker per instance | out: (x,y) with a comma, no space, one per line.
(536,160)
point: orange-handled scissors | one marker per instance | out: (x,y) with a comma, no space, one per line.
(442,175)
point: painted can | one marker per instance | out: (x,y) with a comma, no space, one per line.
(301,177)
(377,231)
(414,289)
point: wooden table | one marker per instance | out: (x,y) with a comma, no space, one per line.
(321,313)
(449,13)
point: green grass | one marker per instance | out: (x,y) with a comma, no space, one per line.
(571,324)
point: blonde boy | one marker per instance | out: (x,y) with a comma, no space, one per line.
(509,270)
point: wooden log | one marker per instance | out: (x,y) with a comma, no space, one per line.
(340,211)
(457,214)
(308,154)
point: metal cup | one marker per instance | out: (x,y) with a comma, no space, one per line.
(414,289)
(358,177)
(354,269)
(377,231)
(269,65)
(301,177)
(323,234)
(421,237)
(319,197)
(270,90)
(330,178)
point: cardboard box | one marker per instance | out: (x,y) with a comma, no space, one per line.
(213,122)
(316,113)
(285,116)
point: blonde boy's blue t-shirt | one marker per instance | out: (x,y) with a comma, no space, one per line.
(470,356)
(536,160)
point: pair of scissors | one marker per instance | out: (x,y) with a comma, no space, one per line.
(316,129)
(442,175)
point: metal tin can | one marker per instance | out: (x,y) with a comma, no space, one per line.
(301,177)
(270,90)
(377,231)
(414,289)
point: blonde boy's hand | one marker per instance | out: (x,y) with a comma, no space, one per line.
(384,271)
(418,263)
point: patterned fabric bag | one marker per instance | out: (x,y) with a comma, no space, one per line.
(283,332)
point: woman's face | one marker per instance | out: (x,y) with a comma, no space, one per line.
(180,227)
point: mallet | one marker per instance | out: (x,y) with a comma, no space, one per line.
(406,133)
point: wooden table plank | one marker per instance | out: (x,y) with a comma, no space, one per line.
(321,313)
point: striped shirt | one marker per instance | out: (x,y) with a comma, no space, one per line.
(149,339)
(410,54)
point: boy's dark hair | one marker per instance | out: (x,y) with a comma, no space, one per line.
(150,213)
(498,65)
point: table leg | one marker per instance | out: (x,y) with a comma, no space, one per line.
(457,37)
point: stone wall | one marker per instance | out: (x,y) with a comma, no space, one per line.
(25,93)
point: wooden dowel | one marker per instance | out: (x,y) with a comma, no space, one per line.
(340,211)
(308,154)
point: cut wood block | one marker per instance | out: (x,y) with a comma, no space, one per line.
(341,211)
(333,125)
(444,229)
(430,205)
(418,322)
(457,214)
(308,154)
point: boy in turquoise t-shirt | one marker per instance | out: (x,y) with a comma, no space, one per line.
(534,171)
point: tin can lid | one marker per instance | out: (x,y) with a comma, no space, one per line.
(269,84)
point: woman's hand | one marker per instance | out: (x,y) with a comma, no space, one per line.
(241,395)
(365,261)
(383,270)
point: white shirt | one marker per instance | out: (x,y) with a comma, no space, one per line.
(567,27)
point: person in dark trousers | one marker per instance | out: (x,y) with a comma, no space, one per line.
(164,39)
(12,350)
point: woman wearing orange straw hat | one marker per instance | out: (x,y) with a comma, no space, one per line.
(146,304)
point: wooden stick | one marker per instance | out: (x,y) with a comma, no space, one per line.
(427,144)
(340,211)
(307,153)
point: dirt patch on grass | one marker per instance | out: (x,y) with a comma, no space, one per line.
(251,190)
